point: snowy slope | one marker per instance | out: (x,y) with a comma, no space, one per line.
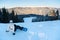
(49,30)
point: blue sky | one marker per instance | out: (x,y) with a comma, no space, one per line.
(18,3)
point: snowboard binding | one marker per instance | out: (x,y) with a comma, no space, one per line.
(24,29)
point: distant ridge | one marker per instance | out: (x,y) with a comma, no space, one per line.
(32,10)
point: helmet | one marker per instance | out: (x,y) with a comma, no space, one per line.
(11,21)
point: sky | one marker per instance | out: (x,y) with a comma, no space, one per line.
(29,3)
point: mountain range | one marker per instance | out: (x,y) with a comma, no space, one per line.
(34,10)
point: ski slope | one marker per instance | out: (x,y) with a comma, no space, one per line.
(49,30)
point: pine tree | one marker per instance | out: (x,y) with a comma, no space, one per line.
(4,16)
(46,17)
(57,14)
(16,18)
(13,16)
(0,12)
(0,15)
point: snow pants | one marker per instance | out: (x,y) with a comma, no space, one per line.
(17,27)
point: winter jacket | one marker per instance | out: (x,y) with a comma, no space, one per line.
(11,27)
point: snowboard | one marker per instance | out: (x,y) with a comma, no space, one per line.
(24,29)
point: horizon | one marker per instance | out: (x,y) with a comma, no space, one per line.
(29,3)
(29,6)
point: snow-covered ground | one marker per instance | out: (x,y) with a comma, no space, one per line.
(49,30)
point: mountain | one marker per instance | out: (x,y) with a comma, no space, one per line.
(34,10)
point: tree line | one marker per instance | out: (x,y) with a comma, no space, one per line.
(52,15)
(5,16)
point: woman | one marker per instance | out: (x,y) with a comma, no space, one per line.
(13,27)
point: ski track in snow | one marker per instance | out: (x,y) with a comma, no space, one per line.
(49,30)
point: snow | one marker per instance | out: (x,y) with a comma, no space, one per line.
(48,30)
